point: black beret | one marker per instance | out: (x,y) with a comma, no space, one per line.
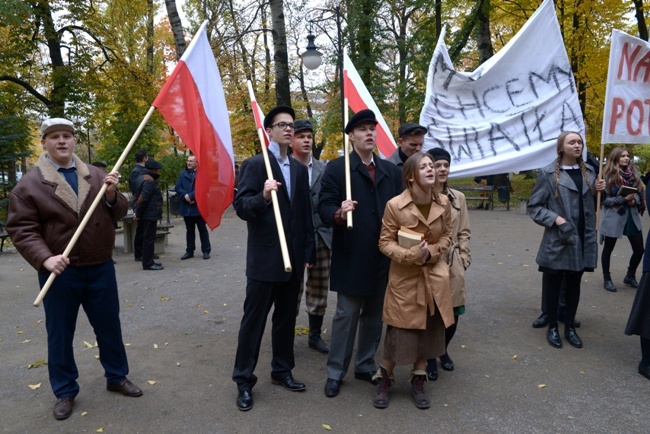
(152,164)
(99,164)
(411,128)
(439,154)
(268,119)
(302,125)
(362,117)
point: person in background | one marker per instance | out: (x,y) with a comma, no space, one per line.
(621,215)
(410,141)
(418,304)
(185,187)
(458,257)
(318,277)
(148,212)
(563,202)
(45,209)
(135,183)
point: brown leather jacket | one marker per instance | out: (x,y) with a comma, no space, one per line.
(44,213)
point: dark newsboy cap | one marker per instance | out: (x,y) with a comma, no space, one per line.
(410,128)
(99,164)
(152,164)
(439,154)
(302,125)
(268,119)
(362,117)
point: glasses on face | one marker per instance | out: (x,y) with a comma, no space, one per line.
(284,125)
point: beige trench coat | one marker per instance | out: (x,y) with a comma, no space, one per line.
(416,290)
(458,256)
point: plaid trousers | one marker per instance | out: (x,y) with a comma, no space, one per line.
(318,280)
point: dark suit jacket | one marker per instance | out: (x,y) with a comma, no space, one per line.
(263,256)
(325,232)
(358,267)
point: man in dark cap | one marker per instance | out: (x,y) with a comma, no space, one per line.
(268,283)
(100,165)
(410,141)
(148,212)
(318,277)
(359,271)
(135,182)
(45,209)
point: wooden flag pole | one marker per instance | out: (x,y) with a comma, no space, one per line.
(92,208)
(348,184)
(600,176)
(276,205)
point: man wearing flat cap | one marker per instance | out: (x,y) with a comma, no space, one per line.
(359,270)
(318,277)
(45,210)
(149,211)
(410,141)
(268,284)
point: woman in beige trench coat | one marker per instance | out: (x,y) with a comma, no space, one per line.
(417,305)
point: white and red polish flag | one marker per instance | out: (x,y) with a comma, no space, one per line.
(193,103)
(359,99)
(258,114)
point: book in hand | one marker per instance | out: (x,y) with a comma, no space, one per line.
(408,238)
(625,190)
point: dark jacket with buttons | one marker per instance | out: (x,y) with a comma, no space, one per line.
(358,267)
(150,200)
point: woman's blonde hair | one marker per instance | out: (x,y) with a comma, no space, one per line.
(410,172)
(560,153)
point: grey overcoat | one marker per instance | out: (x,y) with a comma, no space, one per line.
(611,222)
(561,248)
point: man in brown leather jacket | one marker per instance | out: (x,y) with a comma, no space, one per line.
(45,210)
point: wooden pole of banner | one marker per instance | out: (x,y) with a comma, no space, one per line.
(348,184)
(276,205)
(600,176)
(92,208)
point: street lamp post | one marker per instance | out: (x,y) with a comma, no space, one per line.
(312,58)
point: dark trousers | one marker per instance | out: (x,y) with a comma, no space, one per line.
(551,283)
(148,240)
(260,296)
(94,288)
(190,234)
(561,305)
(137,240)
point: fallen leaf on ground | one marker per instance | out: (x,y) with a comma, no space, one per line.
(178,364)
(582,372)
(163,298)
(36,364)
(151,382)
(88,344)
(34,386)
(514,357)
(97,357)
(83,413)
(205,312)
(155,346)
(100,430)
(26,341)
(20,332)
(327,427)
(541,386)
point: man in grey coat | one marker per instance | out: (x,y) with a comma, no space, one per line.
(410,141)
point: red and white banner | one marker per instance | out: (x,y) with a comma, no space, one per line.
(627,99)
(193,103)
(258,114)
(359,99)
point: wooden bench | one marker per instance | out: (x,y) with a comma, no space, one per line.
(3,235)
(129,225)
(473,192)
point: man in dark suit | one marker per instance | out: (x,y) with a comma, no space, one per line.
(268,284)
(135,183)
(359,270)
(318,277)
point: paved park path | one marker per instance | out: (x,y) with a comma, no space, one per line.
(181,326)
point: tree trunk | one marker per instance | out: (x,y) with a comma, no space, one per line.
(482,32)
(640,19)
(280,54)
(59,93)
(438,18)
(267,52)
(150,14)
(177,27)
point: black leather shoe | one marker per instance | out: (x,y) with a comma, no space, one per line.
(645,371)
(245,400)
(63,408)
(288,382)
(206,255)
(187,256)
(432,369)
(318,344)
(366,376)
(541,322)
(155,267)
(126,388)
(446,363)
(631,281)
(332,388)
(560,318)
(553,336)
(609,286)
(571,336)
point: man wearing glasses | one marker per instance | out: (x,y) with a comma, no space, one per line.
(268,284)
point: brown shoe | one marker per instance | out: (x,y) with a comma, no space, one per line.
(63,408)
(419,395)
(126,388)
(381,392)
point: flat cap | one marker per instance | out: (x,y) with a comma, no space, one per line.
(56,124)
(439,154)
(99,164)
(302,125)
(411,128)
(152,164)
(361,117)
(268,119)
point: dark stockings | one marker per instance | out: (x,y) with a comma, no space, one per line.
(636,242)
(551,283)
